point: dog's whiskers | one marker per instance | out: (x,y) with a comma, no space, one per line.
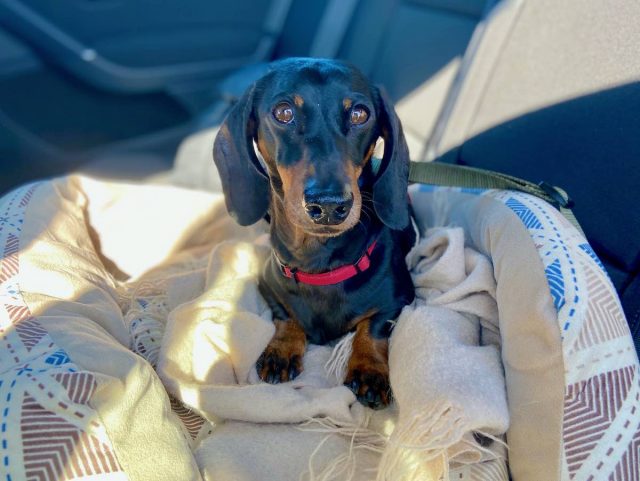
(369,197)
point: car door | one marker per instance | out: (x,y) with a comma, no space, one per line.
(82,76)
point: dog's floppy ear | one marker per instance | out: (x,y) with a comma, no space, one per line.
(390,187)
(245,185)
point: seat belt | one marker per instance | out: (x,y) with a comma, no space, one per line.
(436,173)
(333,28)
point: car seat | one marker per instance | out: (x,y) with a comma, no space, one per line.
(550,92)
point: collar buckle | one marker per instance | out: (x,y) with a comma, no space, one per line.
(289,272)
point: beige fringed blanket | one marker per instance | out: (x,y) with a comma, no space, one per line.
(444,363)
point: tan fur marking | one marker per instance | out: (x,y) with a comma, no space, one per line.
(298,100)
(293,180)
(287,345)
(347,103)
(369,360)
(369,153)
(293,187)
(363,317)
(367,349)
(264,150)
(354,174)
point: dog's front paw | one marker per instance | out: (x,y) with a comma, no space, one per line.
(281,361)
(368,368)
(276,366)
(370,384)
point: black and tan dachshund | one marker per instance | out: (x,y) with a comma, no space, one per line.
(340,220)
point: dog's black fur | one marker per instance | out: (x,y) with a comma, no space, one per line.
(321,153)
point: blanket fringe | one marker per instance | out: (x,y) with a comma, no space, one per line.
(343,467)
(417,450)
(339,359)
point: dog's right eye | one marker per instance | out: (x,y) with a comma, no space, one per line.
(283,113)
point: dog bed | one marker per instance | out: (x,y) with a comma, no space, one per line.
(91,271)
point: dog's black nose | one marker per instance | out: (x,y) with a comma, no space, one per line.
(328,208)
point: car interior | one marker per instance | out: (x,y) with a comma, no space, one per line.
(546,91)
(135,91)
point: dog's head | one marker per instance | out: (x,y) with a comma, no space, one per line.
(315,124)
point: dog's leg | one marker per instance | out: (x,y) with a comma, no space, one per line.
(368,368)
(281,361)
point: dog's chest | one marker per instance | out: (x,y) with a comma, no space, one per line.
(327,312)
(324,312)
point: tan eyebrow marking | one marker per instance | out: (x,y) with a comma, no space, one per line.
(347,103)
(299,101)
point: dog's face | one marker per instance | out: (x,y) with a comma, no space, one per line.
(315,124)
(317,130)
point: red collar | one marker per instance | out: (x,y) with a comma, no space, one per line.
(331,277)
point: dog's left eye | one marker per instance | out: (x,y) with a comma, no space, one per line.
(359,115)
(283,113)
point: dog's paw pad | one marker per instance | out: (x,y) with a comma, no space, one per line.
(371,388)
(281,361)
(275,367)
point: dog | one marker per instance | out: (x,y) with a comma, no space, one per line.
(339,219)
